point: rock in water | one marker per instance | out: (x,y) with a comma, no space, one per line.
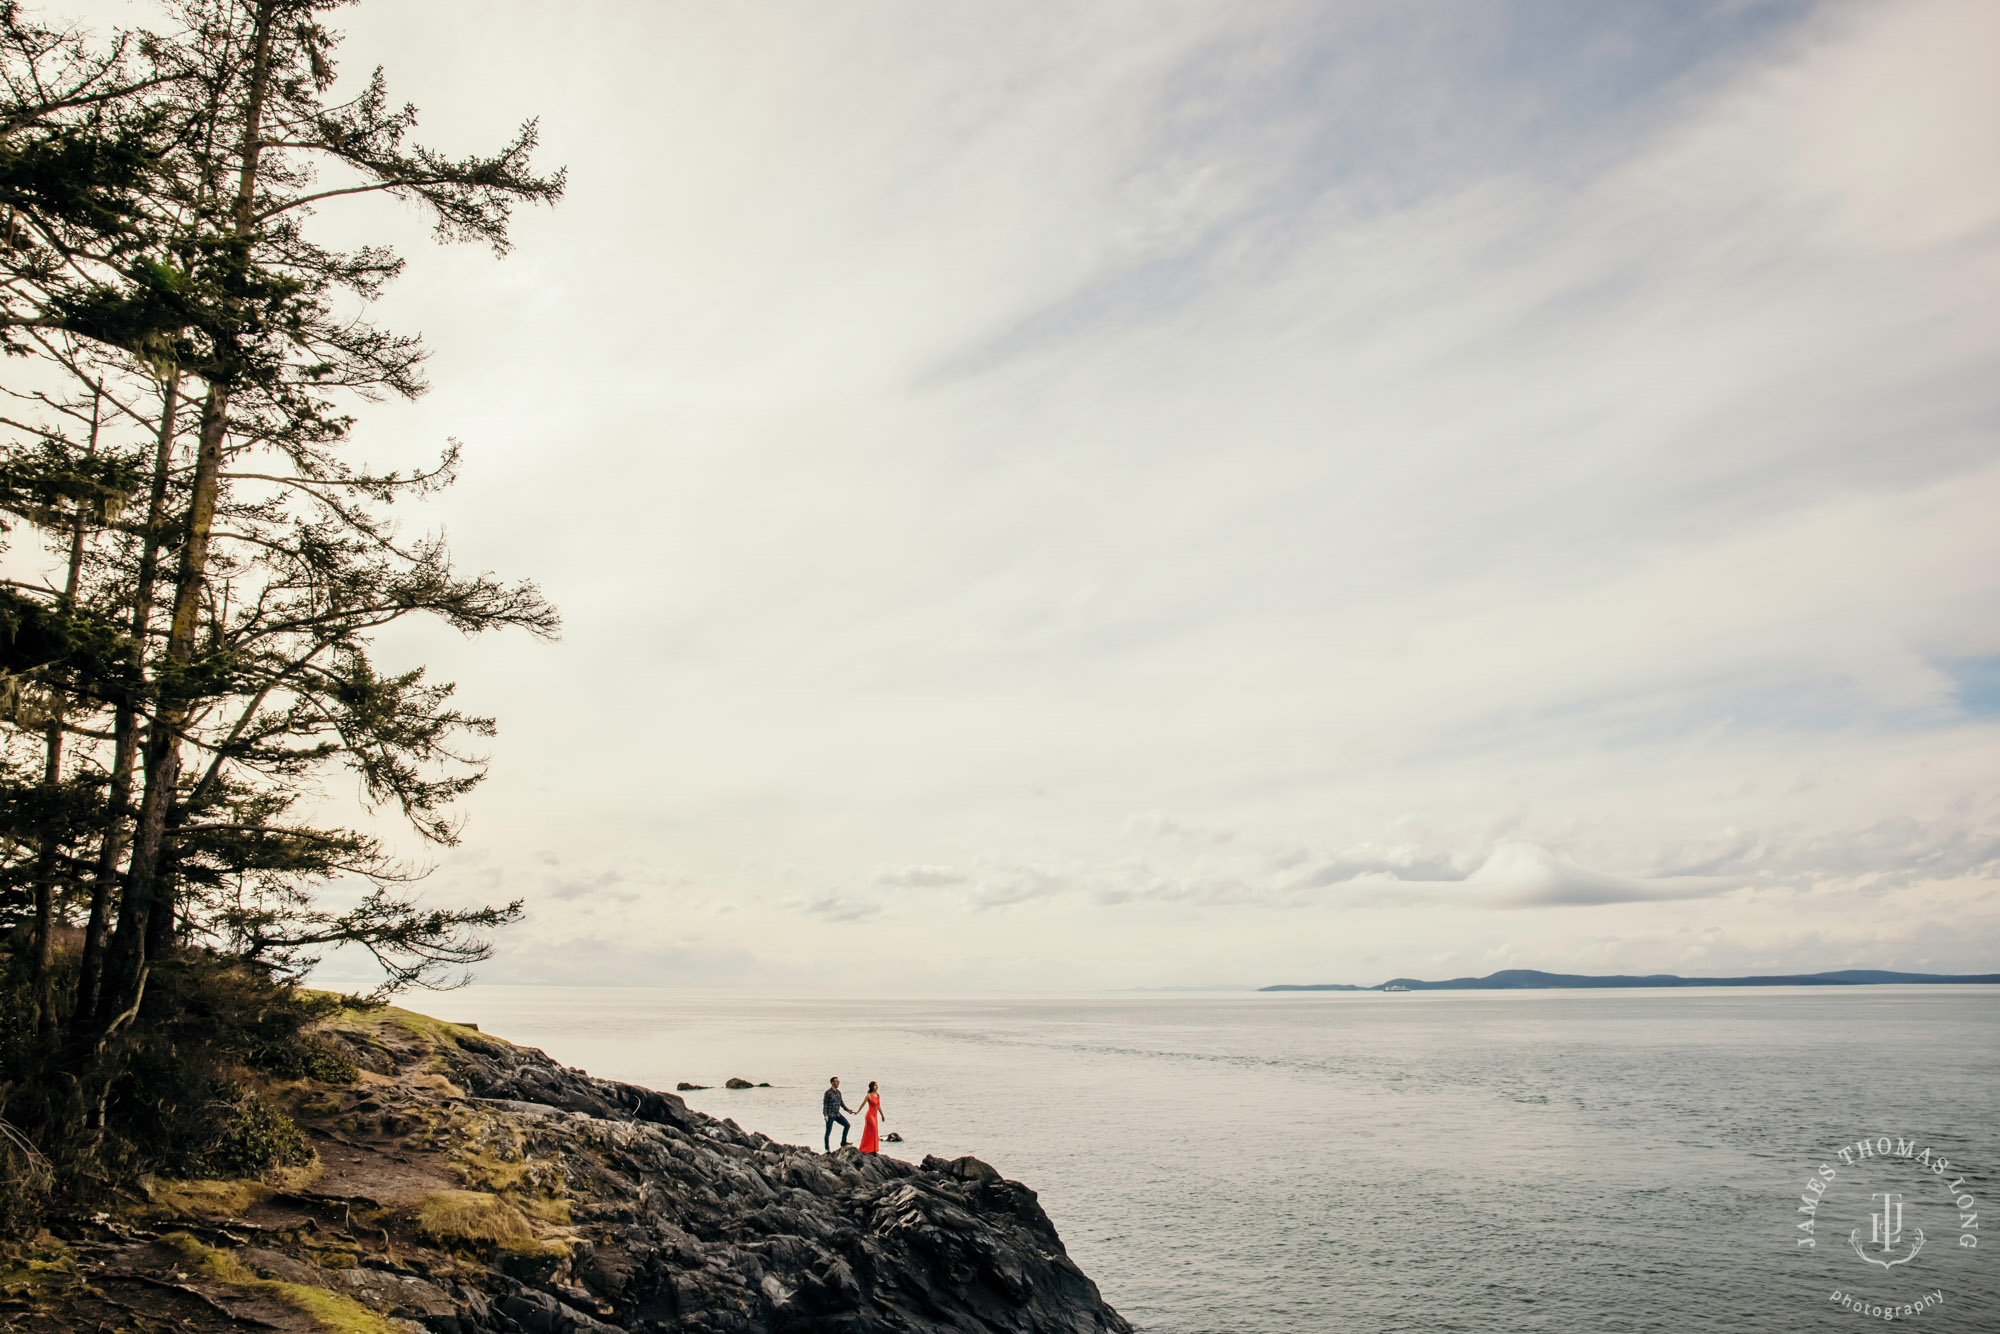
(734,1083)
(685,1087)
(892,1138)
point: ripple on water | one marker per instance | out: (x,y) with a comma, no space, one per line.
(1547,1161)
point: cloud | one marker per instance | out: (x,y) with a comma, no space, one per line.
(1513,874)
(599,885)
(1730,850)
(919,877)
(1160,826)
(596,961)
(1005,884)
(837,908)
(1889,853)
(1273,420)
(1207,888)
(1343,869)
(1523,875)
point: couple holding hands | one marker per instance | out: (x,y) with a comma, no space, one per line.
(832,1104)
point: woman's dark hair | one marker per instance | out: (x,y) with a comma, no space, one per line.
(871,1086)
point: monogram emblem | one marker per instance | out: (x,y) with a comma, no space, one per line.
(1885,1231)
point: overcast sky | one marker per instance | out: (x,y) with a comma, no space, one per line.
(1125,494)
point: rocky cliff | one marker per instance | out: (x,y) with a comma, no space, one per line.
(465,1185)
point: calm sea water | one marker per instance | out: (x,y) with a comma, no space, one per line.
(1268,1164)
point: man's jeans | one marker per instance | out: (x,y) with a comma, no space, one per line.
(829,1132)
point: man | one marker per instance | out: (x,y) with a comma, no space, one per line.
(833,1105)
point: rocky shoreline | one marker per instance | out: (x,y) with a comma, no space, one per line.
(465,1185)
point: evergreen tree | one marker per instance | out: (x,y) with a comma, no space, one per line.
(209,653)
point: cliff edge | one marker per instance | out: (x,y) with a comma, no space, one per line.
(465,1185)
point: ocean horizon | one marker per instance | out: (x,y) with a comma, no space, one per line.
(1253,1163)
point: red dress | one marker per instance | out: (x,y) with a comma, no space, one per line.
(872,1105)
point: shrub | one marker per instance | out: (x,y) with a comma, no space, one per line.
(171,1094)
(25,1178)
(305,1056)
(255,1139)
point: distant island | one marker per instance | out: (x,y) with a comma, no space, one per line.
(1525,979)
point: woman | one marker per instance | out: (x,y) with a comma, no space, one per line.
(872,1105)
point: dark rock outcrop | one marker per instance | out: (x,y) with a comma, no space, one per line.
(469,1186)
(690,1223)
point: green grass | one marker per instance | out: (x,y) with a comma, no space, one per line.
(425,1026)
(329,1310)
(46,1267)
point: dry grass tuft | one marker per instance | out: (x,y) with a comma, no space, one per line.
(227,1199)
(206,1199)
(469,1216)
(329,1310)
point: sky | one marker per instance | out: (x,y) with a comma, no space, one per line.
(1149,494)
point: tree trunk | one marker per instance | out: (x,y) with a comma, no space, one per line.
(125,732)
(45,887)
(45,855)
(146,911)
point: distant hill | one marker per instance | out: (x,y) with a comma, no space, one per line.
(1525,979)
